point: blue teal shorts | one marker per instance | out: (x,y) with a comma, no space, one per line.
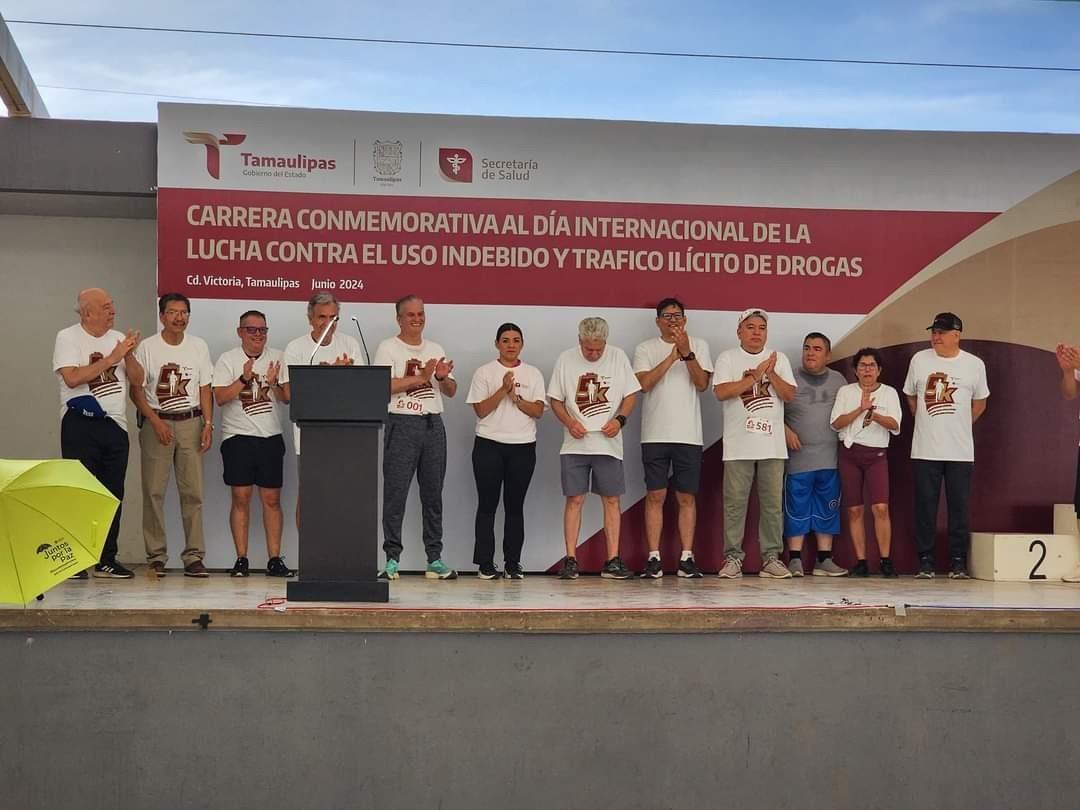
(812,502)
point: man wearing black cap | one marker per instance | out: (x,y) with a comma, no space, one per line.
(946,391)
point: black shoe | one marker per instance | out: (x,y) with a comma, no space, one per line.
(958,568)
(240,568)
(489,571)
(887,569)
(81,575)
(513,571)
(615,568)
(860,569)
(688,568)
(569,569)
(926,569)
(653,569)
(275,567)
(111,570)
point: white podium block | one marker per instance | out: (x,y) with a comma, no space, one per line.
(1023,557)
(1064,518)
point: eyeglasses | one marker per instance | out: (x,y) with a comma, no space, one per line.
(177,313)
(256,330)
(866,366)
(672,316)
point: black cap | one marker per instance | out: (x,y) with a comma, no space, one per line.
(946,322)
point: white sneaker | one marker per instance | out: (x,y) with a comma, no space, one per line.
(732,569)
(1072,576)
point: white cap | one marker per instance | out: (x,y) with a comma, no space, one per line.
(747,313)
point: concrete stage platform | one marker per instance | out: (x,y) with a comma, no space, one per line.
(544,604)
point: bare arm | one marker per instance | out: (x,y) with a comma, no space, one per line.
(912,403)
(649,379)
(1070,386)
(978,408)
(783,389)
(736,388)
(698,375)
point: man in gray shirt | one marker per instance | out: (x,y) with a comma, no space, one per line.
(812,484)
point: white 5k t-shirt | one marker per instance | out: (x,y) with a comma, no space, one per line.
(253,413)
(507,423)
(753,422)
(174,374)
(592,393)
(672,409)
(944,388)
(864,431)
(75,347)
(407,361)
(298,353)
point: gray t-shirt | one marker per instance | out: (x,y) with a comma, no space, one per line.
(808,415)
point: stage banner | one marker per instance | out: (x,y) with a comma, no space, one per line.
(545,221)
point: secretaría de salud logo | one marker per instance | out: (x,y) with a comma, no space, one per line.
(455,164)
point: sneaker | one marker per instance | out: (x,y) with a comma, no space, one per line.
(688,569)
(795,566)
(732,569)
(569,568)
(156,569)
(276,567)
(958,569)
(1072,576)
(196,569)
(887,569)
(391,570)
(489,571)
(80,575)
(111,570)
(513,571)
(653,569)
(828,568)
(437,569)
(615,568)
(240,568)
(860,569)
(926,569)
(772,568)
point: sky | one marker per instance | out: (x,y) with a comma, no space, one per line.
(411,78)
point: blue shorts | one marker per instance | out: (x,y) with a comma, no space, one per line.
(812,503)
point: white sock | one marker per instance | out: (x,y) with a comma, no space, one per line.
(654,555)
(686,555)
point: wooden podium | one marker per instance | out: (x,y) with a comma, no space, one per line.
(340,411)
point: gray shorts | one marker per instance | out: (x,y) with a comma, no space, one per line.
(606,473)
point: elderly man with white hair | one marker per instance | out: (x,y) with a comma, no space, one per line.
(94,365)
(592,393)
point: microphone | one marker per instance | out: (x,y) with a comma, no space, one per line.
(367,354)
(322,337)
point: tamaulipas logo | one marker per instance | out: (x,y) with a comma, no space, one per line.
(213,143)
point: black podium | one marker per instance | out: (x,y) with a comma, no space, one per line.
(340,411)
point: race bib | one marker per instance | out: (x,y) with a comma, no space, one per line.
(760,427)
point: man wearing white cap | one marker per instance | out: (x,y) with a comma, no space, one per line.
(753,383)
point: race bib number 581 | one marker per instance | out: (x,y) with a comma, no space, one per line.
(761,427)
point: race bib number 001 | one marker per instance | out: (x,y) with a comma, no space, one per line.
(761,427)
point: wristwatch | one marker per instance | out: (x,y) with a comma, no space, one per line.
(243,381)
(688,357)
(621,420)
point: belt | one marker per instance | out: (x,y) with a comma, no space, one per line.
(179,416)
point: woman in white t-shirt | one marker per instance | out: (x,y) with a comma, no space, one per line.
(508,396)
(866,413)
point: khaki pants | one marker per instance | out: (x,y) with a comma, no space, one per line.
(157,461)
(738,478)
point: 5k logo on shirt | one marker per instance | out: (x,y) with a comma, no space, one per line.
(591,394)
(938,394)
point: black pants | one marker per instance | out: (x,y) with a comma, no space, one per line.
(413,446)
(507,467)
(102,446)
(928,478)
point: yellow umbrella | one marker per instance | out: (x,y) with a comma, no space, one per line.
(54,516)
